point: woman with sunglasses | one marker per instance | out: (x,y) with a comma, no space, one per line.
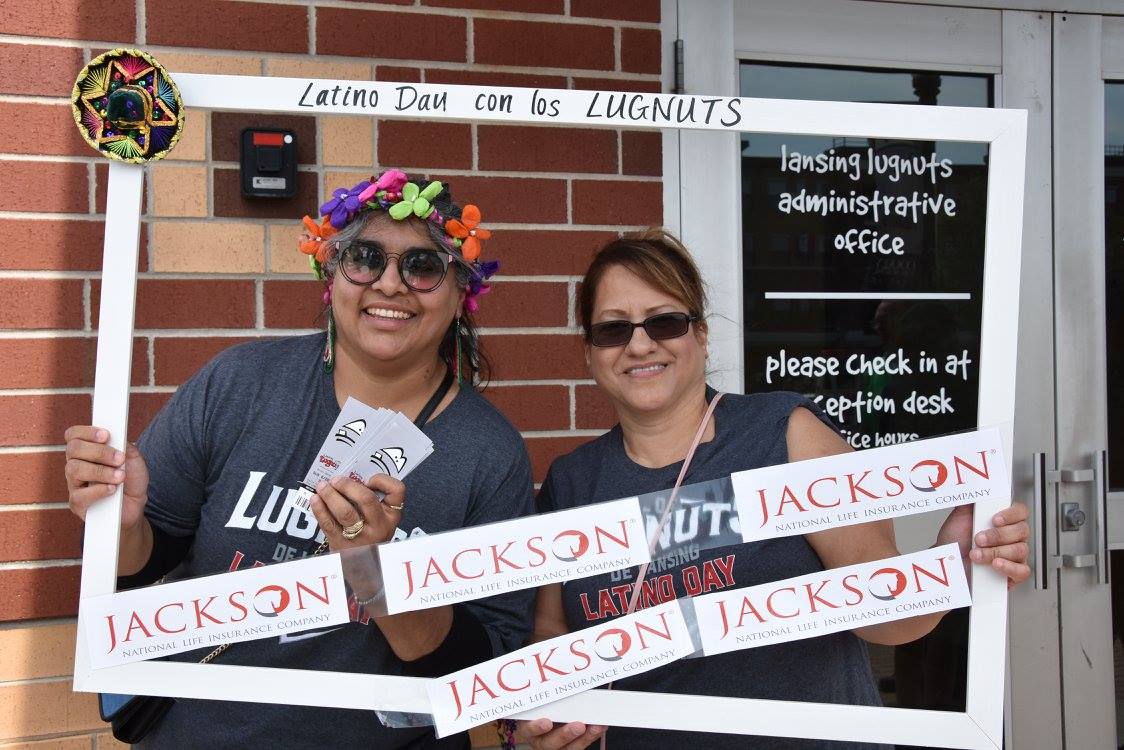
(642,307)
(207,486)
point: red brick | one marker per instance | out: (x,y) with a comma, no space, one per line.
(66,19)
(543,45)
(53,534)
(640,50)
(220,24)
(60,245)
(195,303)
(39,70)
(642,152)
(142,408)
(647,11)
(514,6)
(493,78)
(59,362)
(33,477)
(425,145)
(41,303)
(229,201)
(177,359)
(544,252)
(543,451)
(101,189)
(533,407)
(294,304)
(618,202)
(617,84)
(401,36)
(535,356)
(44,186)
(41,420)
(513,199)
(27,128)
(592,411)
(526,303)
(227,127)
(396,74)
(35,593)
(518,148)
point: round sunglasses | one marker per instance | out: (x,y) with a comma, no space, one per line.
(421,269)
(669,325)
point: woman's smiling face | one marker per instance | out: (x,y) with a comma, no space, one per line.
(386,320)
(644,376)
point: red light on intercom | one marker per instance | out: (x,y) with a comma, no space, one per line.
(269,139)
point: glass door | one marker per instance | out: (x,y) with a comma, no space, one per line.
(820,288)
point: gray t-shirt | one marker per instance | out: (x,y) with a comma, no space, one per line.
(749,433)
(222,455)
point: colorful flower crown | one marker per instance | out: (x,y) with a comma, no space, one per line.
(392,192)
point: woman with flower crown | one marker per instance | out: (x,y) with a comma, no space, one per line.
(206,486)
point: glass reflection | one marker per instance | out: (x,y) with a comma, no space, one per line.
(886,339)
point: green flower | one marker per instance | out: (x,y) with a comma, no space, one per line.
(416,201)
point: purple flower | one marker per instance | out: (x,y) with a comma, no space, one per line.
(344,204)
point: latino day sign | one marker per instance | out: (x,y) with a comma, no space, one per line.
(207,612)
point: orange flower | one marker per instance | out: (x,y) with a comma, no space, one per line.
(312,241)
(468,231)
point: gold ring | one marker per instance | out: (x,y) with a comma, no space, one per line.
(352,531)
(396,507)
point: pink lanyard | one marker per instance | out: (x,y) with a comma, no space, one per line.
(665,516)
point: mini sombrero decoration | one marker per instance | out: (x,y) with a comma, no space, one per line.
(127,106)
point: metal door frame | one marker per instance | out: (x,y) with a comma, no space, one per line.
(1015,46)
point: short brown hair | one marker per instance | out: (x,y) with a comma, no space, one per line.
(658,258)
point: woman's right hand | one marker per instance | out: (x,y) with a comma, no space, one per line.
(94,470)
(543,734)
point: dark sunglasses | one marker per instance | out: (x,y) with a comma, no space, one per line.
(669,325)
(421,269)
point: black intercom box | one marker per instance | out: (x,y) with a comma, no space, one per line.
(269,163)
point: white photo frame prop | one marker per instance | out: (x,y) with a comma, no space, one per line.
(980,726)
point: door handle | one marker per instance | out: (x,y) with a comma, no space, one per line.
(1043,530)
(1045,559)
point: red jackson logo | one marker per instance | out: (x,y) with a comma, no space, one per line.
(467,564)
(785,602)
(872,485)
(559,659)
(202,613)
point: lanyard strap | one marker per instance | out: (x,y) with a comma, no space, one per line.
(666,514)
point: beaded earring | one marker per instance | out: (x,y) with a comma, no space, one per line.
(330,345)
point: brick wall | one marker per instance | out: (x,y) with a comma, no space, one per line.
(217,269)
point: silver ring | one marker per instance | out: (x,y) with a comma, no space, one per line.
(395,507)
(353,530)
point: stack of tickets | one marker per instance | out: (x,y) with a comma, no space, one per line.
(363,442)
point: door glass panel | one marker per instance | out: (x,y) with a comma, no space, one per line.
(1114,339)
(873,312)
(1114,277)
